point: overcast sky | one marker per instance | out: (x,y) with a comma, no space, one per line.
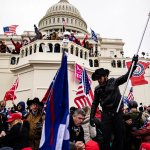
(120,19)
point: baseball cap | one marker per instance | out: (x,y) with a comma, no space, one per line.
(14,116)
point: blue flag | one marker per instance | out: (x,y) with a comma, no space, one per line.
(126,100)
(55,133)
(94,36)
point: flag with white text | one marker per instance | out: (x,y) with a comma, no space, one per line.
(78,73)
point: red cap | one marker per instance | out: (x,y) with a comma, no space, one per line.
(14,116)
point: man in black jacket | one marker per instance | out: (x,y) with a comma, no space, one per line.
(18,136)
(76,130)
(107,93)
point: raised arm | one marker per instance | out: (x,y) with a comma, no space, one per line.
(121,80)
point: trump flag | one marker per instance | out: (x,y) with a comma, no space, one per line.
(55,133)
(138,75)
(78,73)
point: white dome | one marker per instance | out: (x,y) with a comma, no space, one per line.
(65,7)
(63,10)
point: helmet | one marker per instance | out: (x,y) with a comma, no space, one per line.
(132,104)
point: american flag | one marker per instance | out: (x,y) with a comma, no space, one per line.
(130,95)
(84,96)
(10,29)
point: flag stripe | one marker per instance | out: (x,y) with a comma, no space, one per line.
(130,95)
(10,29)
(84,95)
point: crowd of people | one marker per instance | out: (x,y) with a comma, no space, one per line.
(49,36)
(21,127)
(111,127)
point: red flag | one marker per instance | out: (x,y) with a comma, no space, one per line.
(10,94)
(83,42)
(138,75)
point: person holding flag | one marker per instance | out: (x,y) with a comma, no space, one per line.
(55,131)
(107,93)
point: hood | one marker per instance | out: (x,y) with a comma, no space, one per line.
(22,104)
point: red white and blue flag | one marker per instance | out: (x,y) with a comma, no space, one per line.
(55,133)
(84,95)
(138,75)
(130,95)
(10,30)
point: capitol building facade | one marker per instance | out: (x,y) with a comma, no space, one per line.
(36,68)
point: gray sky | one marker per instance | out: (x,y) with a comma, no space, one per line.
(121,19)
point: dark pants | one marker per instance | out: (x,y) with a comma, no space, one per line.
(113,126)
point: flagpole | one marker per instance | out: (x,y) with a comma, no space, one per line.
(83,81)
(15,86)
(75,78)
(133,64)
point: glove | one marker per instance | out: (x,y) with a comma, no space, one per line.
(92,123)
(135,59)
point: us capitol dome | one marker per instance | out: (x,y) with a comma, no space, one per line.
(62,12)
